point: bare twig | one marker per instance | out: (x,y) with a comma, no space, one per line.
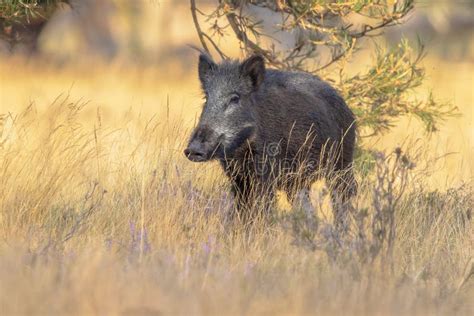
(198,27)
(218,50)
(242,36)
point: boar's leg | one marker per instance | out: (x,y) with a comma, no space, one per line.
(252,198)
(302,201)
(343,187)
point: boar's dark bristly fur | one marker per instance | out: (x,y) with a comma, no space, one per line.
(272,130)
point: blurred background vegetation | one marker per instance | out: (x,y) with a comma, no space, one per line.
(446,26)
(101,213)
(392,60)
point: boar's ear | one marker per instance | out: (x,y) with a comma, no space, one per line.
(254,67)
(205,66)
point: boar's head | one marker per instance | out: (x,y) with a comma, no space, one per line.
(227,120)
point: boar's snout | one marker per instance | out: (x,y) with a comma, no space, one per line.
(196,152)
(203,144)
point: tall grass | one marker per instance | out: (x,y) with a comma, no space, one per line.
(100,220)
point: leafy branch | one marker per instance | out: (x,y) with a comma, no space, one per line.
(325,37)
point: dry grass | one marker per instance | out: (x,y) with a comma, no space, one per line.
(101,214)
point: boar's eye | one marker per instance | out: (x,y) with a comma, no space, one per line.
(234,99)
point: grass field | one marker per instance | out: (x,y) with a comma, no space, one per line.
(101,214)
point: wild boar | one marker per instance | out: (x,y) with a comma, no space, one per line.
(273,130)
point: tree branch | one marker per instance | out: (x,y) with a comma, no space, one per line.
(242,37)
(198,27)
